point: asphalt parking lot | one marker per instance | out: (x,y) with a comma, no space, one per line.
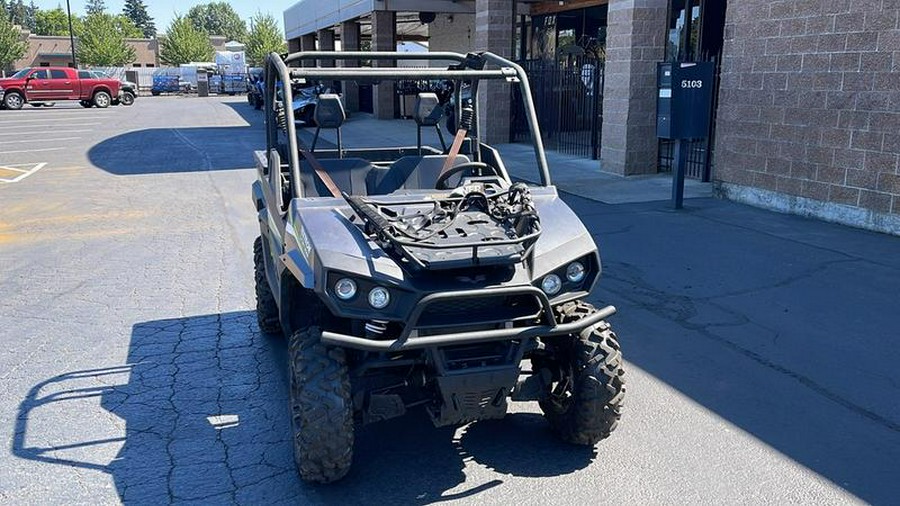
(761,348)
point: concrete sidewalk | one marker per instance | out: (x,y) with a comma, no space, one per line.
(785,327)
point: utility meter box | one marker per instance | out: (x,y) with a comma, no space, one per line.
(684,99)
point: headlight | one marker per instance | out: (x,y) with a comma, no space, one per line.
(551,284)
(345,288)
(575,272)
(379,297)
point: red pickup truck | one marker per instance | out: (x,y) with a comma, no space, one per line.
(51,84)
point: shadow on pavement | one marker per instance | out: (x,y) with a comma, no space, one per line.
(204,403)
(783,326)
(172,150)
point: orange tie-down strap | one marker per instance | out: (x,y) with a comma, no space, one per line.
(454,150)
(322,173)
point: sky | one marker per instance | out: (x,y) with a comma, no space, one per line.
(162,11)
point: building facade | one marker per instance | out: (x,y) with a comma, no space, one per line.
(806,115)
(809,112)
(56,51)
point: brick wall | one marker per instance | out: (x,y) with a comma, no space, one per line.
(809,110)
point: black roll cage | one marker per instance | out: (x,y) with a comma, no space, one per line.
(277,66)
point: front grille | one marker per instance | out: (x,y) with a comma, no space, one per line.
(481,310)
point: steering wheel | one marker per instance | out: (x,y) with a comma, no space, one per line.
(441,183)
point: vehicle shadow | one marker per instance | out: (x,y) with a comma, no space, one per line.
(174,150)
(204,404)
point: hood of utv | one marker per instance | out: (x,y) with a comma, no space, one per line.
(327,239)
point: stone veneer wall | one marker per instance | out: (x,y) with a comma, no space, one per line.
(809,114)
(635,42)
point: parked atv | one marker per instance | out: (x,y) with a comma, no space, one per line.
(422,277)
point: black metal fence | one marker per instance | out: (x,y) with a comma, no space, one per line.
(568,98)
(698,161)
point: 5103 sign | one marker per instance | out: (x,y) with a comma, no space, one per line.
(691,84)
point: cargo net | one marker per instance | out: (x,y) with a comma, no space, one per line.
(471,227)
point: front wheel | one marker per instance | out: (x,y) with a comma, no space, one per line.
(583,398)
(13,101)
(86,104)
(102,99)
(127,99)
(321,408)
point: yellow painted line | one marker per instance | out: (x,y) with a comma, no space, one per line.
(8,173)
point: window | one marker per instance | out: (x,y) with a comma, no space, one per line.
(151,65)
(58,74)
(138,65)
(45,64)
(39,74)
(84,74)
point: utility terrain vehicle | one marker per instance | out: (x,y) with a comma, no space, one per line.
(423,277)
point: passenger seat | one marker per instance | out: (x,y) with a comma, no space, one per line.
(411,173)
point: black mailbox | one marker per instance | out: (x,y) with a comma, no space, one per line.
(684,99)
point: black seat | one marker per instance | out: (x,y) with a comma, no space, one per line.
(411,173)
(349,174)
(329,114)
(427,113)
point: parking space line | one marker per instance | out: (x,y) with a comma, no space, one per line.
(43,132)
(31,150)
(38,126)
(42,120)
(42,140)
(24,174)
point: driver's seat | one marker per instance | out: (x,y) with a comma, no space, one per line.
(412,173)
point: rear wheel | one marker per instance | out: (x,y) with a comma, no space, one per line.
(102,99)
(13,100)
(583,399)
(321,408)
(266,309)
(86,104)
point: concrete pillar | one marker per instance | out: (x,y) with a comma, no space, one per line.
(350,42)
(384,38)
(294,45)
(494,32)
(635,42)
(326,43)
(308,43)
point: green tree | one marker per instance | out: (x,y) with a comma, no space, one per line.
(265,37)
(136,11)
(12,47)
(218,18)
(22,15)
(101,42)
(95,7)
(55,22)
(183,43)
(126,28)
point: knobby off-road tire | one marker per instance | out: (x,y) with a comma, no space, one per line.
(585,406)
(321,408)
(266,309)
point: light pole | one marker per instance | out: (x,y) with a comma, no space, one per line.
(71,35)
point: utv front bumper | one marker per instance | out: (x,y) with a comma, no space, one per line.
(515,328)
